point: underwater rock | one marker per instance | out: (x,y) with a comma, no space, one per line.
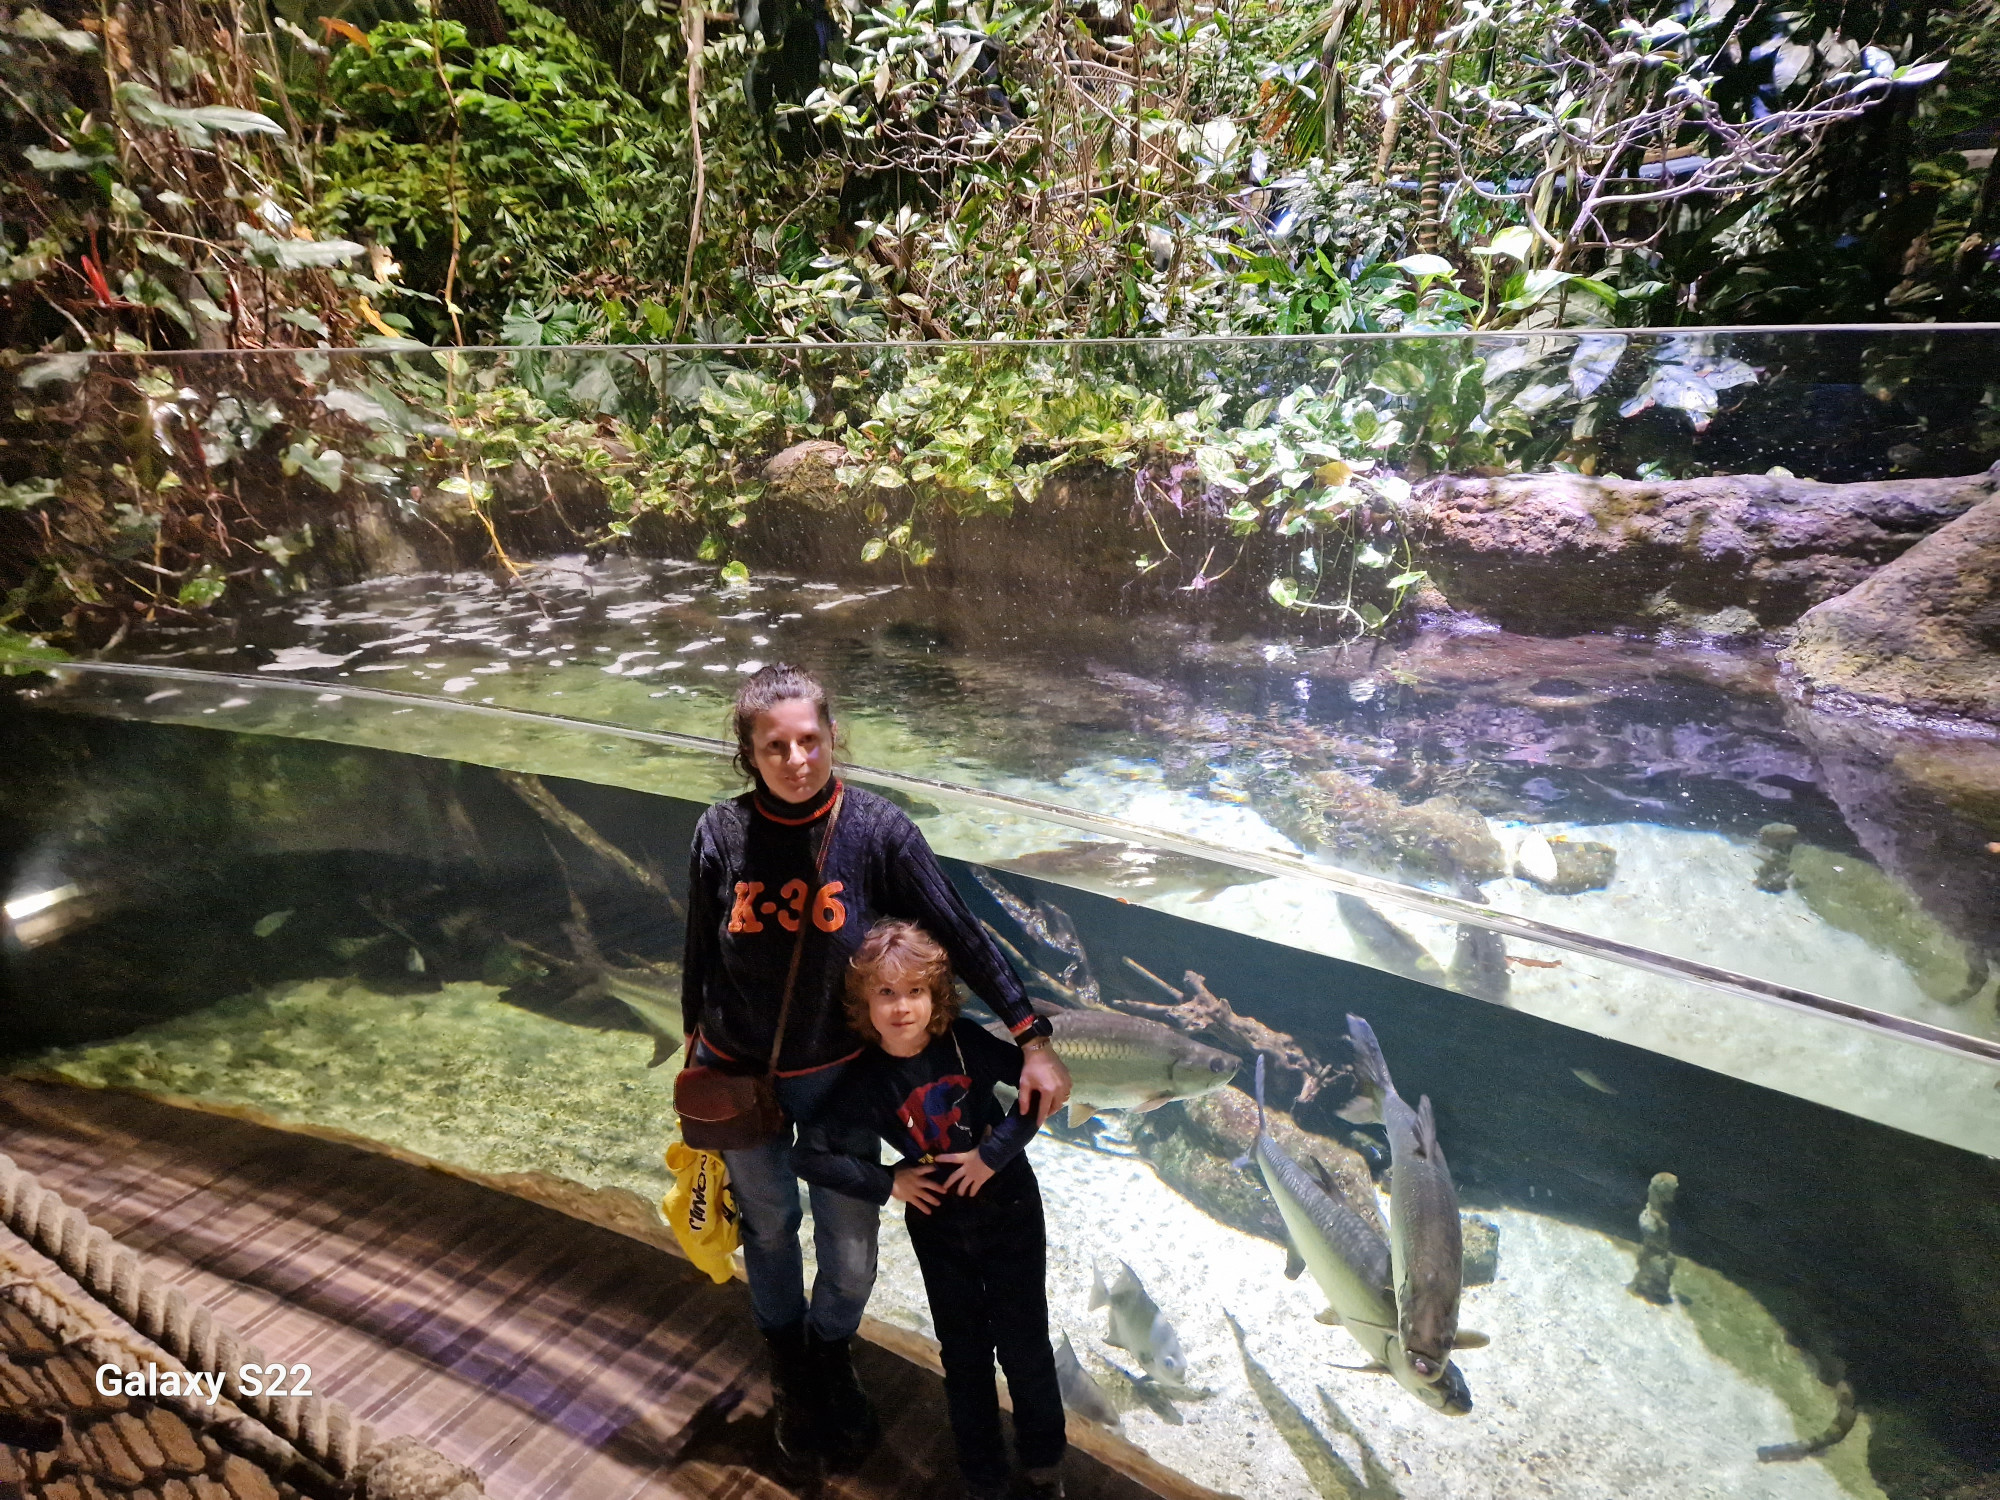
(1925,804)
(1654,1279)
(1922,635)
(1481,1238)
(1571,867)
(1558,553)
(1344,819)
(1846,891)
(1195,1144)
(1774,870)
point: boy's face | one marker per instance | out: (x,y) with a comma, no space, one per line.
(899,1007)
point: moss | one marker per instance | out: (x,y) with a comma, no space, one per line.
(1847,892)
(1742,1332)
(458,1076)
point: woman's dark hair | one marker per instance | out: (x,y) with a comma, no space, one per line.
(763,690)
(904,945)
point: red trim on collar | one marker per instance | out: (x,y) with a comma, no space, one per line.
(757,801)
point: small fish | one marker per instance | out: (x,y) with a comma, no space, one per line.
(1534,963)
(1350,1261)
(270,923)
(1386,945)
(1479,964)
(1425,1239)
(1139,1327)
(1080,1393)
(1117,1061)
(654,996)
(1585,1076)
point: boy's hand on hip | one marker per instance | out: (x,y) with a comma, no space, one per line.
(916,1187)
(972,1174)
(1044,1080)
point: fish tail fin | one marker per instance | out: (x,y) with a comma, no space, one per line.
(1100,1294)
(1371,1068)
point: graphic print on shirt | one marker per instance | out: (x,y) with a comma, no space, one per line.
(829,913)
(933,1110)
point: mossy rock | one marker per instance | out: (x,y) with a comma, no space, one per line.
(1195,1143)
(1739,1329)
(1846,891)
(1333,813)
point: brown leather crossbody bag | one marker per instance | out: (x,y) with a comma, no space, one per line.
(722,1111)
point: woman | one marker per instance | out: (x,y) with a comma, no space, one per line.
(759,883)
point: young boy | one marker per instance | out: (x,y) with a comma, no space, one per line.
(974,1209)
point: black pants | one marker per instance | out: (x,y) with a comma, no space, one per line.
(985,1263)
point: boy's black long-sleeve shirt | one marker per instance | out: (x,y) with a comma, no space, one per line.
(752,885)
(938,1102)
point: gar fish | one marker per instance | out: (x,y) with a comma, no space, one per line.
(654,996)
(1117,1061)
(1351,1263)
(1385,944)
(1139,1327)
(1080,1393)
(1425,1241)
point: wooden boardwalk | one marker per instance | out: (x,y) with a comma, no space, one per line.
(554,1357)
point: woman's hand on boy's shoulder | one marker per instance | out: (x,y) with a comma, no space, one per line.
(973,1173)
(917,1187)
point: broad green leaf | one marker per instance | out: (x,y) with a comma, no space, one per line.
(1408,580)
(1425,265)
(1399,378)
(1284,592)
(203,589)
(28,492)
(26,653)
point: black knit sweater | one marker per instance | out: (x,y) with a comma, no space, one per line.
(752,886)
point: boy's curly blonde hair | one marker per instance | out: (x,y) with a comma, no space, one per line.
(899,945)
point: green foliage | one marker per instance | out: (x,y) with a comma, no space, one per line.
(510,172)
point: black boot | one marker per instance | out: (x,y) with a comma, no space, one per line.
(797,1431)
(852,1429)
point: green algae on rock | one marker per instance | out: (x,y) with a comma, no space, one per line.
(1846,891)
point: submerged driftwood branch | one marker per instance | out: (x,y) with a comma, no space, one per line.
(1200,1009)
(550,809)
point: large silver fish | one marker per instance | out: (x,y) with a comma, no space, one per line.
(654,996)
(1139,1327)
(1080,1393)
(1424,1236)
(1350,1261)
(1117,1061)
(1385,945)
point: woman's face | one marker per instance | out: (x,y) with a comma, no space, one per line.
(899,1008)
(792,750)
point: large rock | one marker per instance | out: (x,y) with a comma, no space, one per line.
(1921,635)
(1728,554)
(1925,804)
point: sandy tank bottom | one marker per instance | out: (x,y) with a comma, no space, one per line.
(1585,1390)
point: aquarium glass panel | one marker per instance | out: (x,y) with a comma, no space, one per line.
(1454,682)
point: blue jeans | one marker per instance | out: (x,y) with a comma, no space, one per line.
(769,1216)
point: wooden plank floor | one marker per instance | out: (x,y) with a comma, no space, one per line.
(554,1357)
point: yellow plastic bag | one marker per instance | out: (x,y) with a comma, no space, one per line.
(700,1209)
